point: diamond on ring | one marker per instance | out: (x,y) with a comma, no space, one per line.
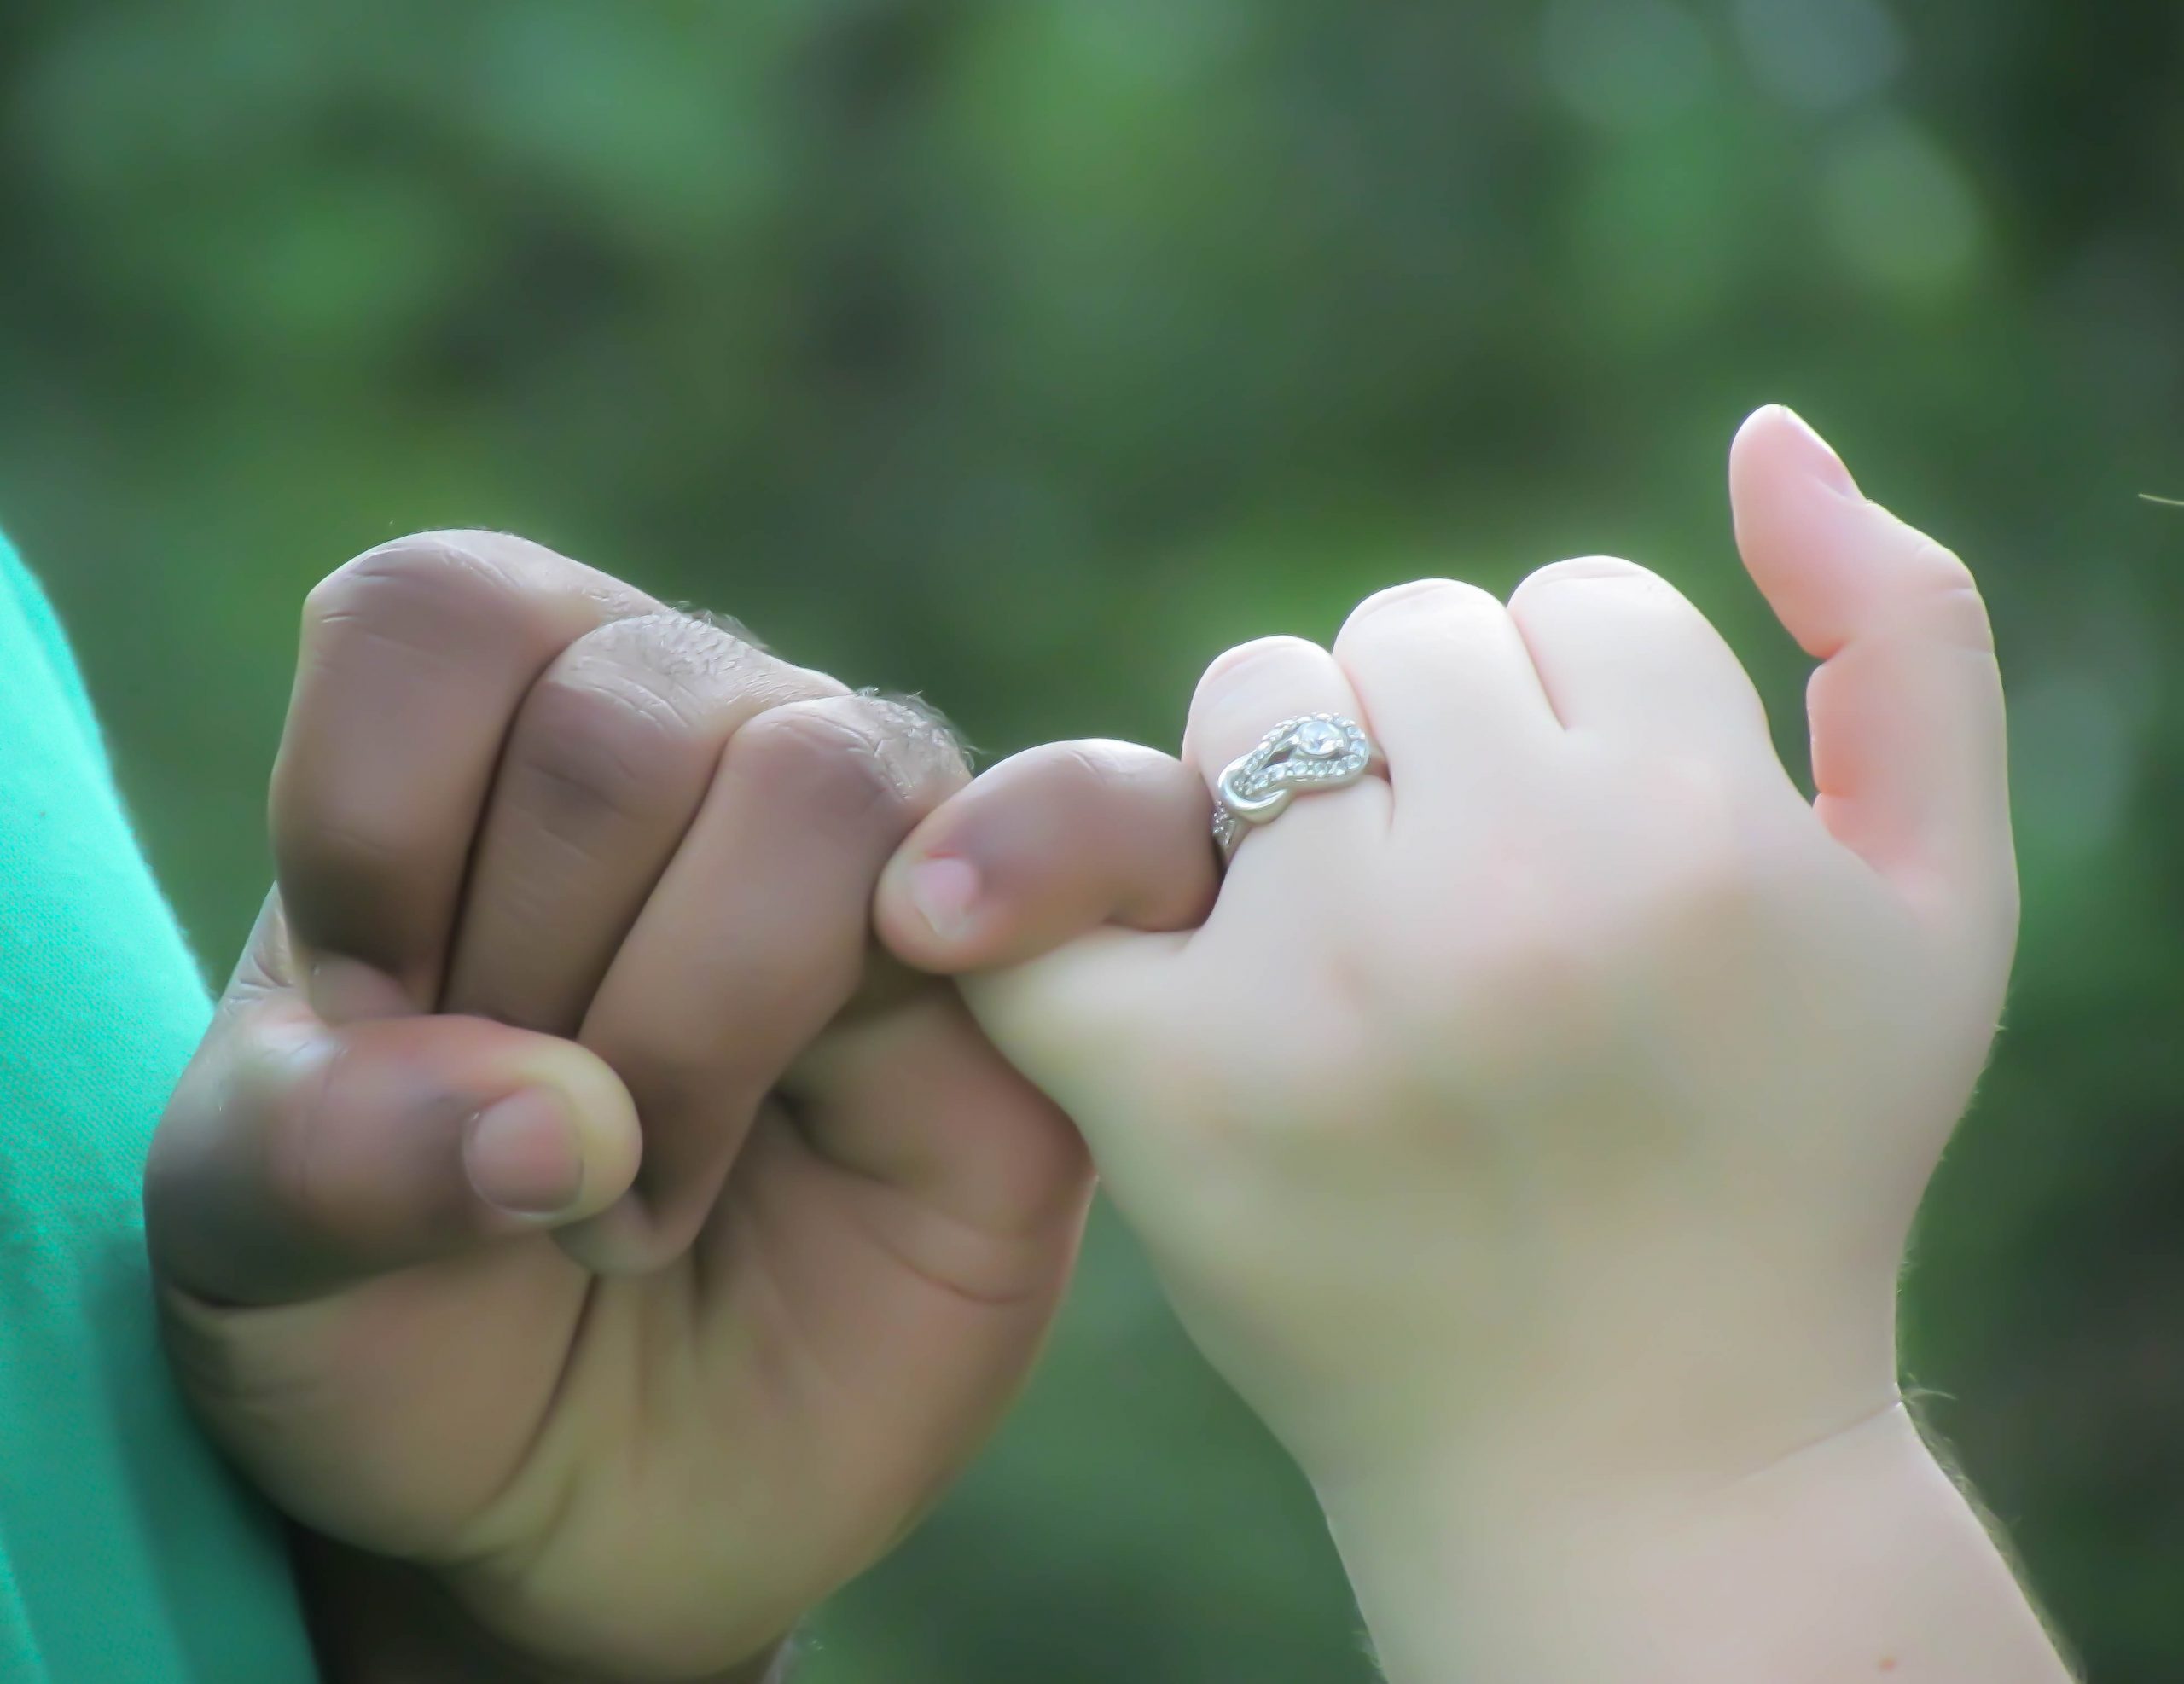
(1315,751)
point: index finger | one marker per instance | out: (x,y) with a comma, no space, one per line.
(415,658)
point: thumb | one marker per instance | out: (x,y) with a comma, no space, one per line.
(296,1158)
(1905,711)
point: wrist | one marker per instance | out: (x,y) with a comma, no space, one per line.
(1849,1556)
(1654,1381)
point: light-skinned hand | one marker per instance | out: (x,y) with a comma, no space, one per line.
(1531,1135)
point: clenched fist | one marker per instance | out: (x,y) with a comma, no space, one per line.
(564,1206)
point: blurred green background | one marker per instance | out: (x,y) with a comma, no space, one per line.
(1027,352)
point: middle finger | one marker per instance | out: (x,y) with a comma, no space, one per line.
(606,764)
(755,938)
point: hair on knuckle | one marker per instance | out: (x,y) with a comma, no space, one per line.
(868,757)
(728,625)
(927,738)
(687,653)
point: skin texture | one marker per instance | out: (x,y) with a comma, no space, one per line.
(1532,1137)
(568,1219)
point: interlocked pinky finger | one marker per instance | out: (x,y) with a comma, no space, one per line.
(1047,846)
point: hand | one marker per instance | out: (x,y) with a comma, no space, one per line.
(562,1201)
(1537,1131)
(1582,1046)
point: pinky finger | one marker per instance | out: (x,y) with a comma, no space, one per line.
(1046,846)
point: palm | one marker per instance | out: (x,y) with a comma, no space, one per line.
(593,1459)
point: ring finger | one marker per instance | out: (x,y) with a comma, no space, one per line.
(755,937)
(1245,694)
(1456,703)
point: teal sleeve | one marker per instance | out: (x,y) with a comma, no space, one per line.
(20,589)
(127,1550)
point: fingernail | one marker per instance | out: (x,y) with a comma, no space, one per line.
(943,887)
(522,1154)
(1821,462)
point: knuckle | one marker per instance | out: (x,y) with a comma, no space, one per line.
(424,585)
(1586,570)
(1430,596)
(916,736)
(728,625)
(599,735)
(684,656)
(1258,653)
(1949,599)
(1084,776)
(629,720)
(1937,567)
(832,762)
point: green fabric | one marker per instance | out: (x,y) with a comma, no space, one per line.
(127,1552)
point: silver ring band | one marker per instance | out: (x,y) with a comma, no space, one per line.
(1302,755)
